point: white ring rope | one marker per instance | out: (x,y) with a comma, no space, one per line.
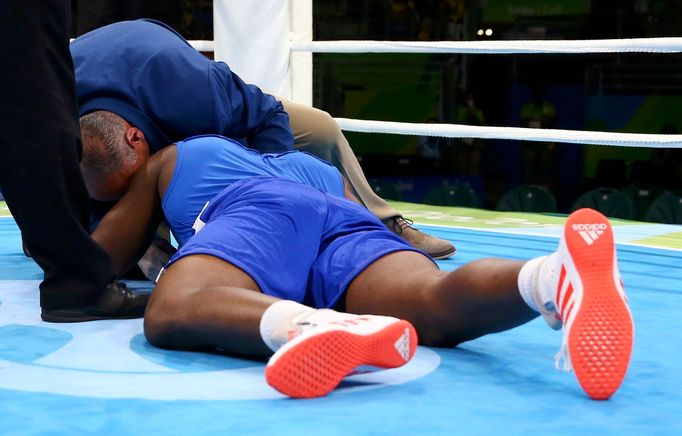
(633,45)
(514,133)
(586,46)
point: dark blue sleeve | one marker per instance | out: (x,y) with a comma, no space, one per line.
(244,111)
(153,78)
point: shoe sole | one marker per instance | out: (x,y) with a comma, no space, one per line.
(445,254)
(601,335)
(66,316)
(312,366)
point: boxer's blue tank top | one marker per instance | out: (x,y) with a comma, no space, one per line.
(207,164)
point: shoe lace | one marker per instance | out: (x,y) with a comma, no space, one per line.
(562,359)
(123,287)
(400,224)
(114,296)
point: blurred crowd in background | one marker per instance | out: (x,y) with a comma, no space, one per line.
(638,93)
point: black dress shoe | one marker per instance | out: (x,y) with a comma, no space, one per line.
(117,302)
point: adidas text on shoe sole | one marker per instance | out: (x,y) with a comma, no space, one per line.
(597,319)
(313,364)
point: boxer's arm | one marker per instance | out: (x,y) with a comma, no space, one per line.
(128,228)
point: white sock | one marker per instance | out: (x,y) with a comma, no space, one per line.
(276,320)
(538,280)
(527,281)
(278,324)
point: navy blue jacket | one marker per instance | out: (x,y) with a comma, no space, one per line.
(148,74)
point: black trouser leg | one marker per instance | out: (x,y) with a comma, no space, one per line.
(39,152)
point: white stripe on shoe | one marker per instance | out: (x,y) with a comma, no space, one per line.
(598,326)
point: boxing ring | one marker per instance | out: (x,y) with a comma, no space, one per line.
(103,377)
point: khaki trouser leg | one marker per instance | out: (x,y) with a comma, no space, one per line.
(316,132)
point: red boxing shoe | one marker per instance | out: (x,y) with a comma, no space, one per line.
(591,302)
(314,362)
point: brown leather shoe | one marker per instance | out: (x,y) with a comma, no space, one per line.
(117,302)
(434,247)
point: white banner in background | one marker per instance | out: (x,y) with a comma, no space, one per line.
(252,37)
